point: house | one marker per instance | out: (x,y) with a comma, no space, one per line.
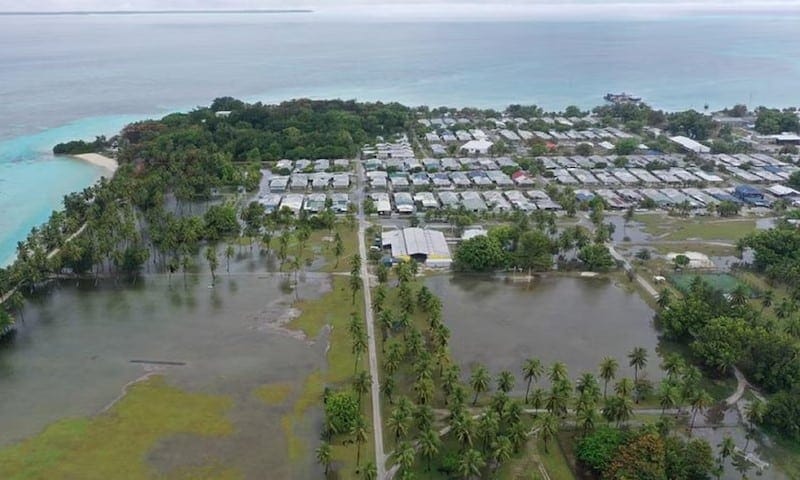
(477,147)
(425,246)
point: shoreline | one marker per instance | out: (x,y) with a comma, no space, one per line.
(98,160)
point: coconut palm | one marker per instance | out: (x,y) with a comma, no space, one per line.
(668,396)
(479,381)
(369,472)
(618,409)
(664,298)
(700,401)
(359,433)
(361,384)
(608,370)
(387,387)
(548,428)
(537,398)
(462,430)
(386,322)
(405,456)
(558,372)
(423,417)
(766,299)
(429,446)
(211,258)
(502,450)
(587,385)
(754,412)
(726,448)
(505,381)
(673,364)
(738,296)
(638,360)
(470,464)
(229,252)
(423,388)
(323,454)
(624,388)
(586,417)
(398,423)
(532,370)
(358,348)
(488,426)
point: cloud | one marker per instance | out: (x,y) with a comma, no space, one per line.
(421,9)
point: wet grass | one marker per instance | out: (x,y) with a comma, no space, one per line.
(118,440)
(680,229)
(275,393)
(333,309)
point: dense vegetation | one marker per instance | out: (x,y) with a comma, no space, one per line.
(77,147)
(532,243)
(772,121)
(125,221)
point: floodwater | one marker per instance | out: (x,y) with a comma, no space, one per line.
(577,321)
(72,356)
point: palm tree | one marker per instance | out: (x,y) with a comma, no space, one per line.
(548,428)
(558,372)
(638,360)
(624,388)
(229,252)
(429,445)
(726,448)
(359,433)
(369,472)
(667,396)
(700,401)
(470,464)
(532,370)
(388,387)
(361,384)
(488,426)
(739,296)
(338,248)
(462,429)
(608,370)
(479,381)
(211,257)
(502,449)
(664,298)
(398,423)
(618,409)
(766,299)
(536,399)
(505,381)
(323,454)
(359,347)
(587,418)
(424,390)
(754,412)
(405,456)
(673,364)
(587,385)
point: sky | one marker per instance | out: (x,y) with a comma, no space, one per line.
(431,8)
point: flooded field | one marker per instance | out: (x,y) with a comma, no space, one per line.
(81,344)
(573,320)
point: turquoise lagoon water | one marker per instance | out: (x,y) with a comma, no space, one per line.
(80,76)
(33,181)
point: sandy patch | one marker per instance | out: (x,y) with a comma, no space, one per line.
(99,160)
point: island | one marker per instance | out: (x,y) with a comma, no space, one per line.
(340,289)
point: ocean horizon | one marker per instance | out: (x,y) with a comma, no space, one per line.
(79,76)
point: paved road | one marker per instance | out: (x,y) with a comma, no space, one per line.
(372,353)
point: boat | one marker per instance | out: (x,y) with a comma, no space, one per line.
(622,98)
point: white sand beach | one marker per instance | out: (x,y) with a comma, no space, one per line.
(100,160)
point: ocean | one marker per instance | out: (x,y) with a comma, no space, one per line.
(64,77)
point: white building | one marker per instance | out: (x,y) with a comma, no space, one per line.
(422,245)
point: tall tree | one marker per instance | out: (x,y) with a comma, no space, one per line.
(479,381)
(638,360)
(323,454)
(608,370)
(532,370)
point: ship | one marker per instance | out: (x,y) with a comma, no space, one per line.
(621,98)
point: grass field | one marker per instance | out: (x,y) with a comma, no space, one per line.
(333,309)
(118,440)
(680,229)
(720,281)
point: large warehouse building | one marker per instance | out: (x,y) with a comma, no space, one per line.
(422,245)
